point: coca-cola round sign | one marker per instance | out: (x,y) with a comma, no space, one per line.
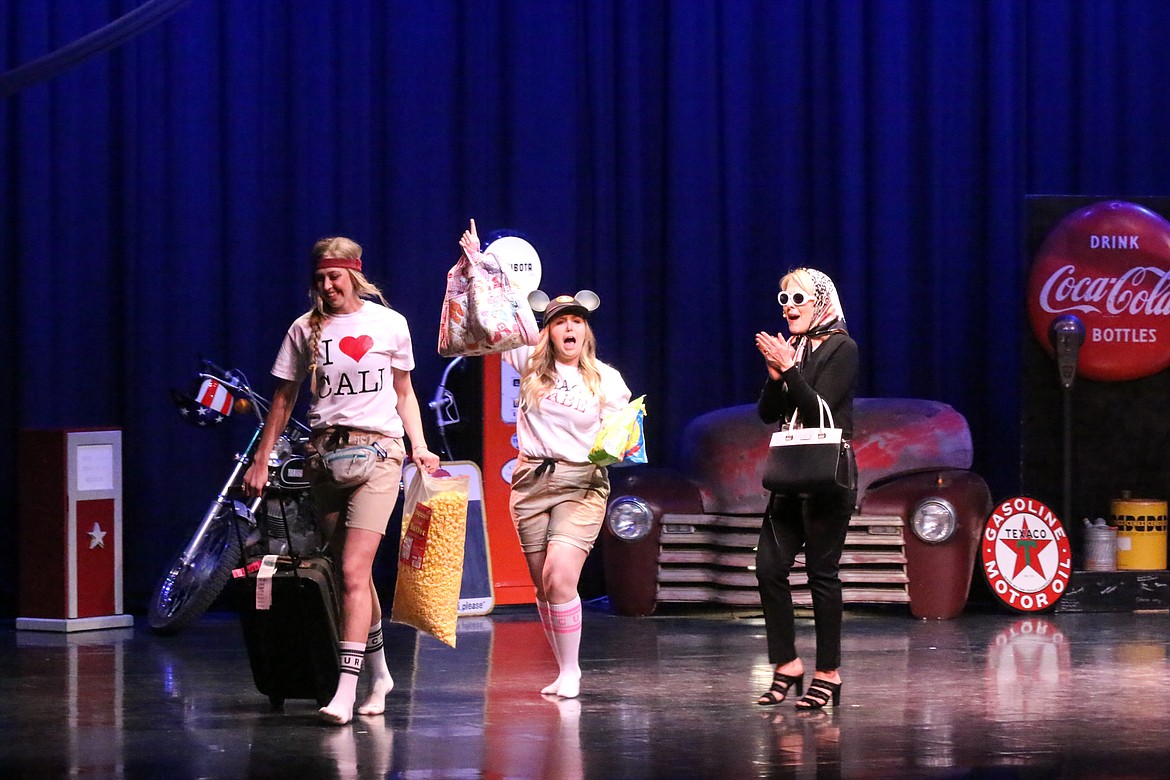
(1109,265)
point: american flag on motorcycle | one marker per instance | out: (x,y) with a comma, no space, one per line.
(215,396)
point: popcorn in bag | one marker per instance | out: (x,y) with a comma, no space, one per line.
(430,554)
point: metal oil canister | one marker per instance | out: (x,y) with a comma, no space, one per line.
(1141,532)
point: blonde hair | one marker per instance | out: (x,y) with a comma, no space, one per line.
(334,246)
(540,373)
(802,279)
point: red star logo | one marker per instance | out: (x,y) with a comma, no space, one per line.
(1027,549)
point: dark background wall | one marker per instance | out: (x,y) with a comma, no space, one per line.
(157,200)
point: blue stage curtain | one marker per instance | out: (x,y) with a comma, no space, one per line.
(677,157)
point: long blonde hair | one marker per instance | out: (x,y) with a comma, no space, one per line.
(334,246)
(540,373)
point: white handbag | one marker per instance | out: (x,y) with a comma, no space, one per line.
(809,460)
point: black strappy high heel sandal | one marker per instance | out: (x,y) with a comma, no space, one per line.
(819,693)
(781,683)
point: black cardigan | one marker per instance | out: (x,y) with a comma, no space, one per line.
(829,371)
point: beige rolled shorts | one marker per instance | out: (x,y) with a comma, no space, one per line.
(565,503)
(370,504)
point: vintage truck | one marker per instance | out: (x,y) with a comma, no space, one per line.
(689,535)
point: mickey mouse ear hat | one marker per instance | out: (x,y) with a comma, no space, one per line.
(583,304)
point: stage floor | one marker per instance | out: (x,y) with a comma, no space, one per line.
(999,695)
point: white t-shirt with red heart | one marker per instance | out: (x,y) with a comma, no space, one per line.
(355,360)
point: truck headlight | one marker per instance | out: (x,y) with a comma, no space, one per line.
(629,518)
(934,520)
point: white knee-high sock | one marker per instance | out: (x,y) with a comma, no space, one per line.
(381,683)
(340,709)
(566,625)
(542,609)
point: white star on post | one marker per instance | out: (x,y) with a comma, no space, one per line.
(97,537)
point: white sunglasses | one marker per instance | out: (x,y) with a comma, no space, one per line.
(797,298)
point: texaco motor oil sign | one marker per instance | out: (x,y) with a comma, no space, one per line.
(1025,554)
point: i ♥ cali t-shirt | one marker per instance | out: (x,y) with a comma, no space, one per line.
(356,355)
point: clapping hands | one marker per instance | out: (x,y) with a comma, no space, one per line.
(778,354)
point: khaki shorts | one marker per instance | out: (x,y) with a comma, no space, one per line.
(370,504)
(565,503)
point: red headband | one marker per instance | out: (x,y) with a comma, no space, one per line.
(340,262)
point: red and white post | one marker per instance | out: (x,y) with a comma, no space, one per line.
(70,484)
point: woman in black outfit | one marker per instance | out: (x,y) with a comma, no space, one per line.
(818,359)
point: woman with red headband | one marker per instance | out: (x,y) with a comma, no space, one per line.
(817,360)
(357,355)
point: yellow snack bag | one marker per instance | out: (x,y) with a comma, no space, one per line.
(621,437)
(430,554)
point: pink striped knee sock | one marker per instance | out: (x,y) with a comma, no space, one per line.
(566,626)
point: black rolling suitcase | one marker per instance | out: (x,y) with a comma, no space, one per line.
(292,644)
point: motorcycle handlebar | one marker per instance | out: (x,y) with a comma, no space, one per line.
(231,378)
(212,368)
(230,384)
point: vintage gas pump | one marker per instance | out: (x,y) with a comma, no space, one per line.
(501,397)
(501,385)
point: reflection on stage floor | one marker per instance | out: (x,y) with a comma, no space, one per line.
(985,695)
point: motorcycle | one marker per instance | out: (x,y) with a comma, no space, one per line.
(234,525)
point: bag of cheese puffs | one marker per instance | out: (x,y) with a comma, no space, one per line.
(621,438)
(430,553)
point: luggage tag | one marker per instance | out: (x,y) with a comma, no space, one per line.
(264,582)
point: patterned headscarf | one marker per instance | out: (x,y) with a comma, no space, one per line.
(827,316)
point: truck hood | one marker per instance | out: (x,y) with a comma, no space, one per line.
(723,451)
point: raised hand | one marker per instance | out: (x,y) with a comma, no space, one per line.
(470,242)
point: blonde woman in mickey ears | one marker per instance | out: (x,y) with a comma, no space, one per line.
(817,359)
(558,497)
(357,355)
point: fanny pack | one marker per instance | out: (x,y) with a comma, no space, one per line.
(350,466)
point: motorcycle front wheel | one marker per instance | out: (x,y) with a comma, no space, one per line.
(187,589)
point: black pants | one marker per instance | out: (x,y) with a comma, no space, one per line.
(817,524)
